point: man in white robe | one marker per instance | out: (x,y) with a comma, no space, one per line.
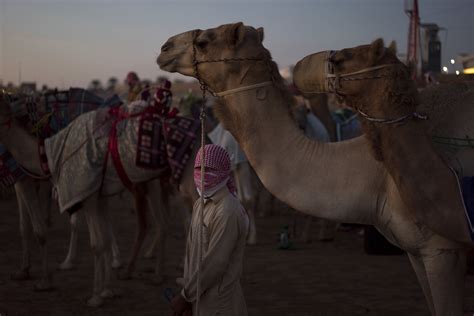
(224,236)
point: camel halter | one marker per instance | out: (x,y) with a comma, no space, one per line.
(324,80)
(204,87)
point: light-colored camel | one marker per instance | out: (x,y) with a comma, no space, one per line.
(337,181)
(95,206)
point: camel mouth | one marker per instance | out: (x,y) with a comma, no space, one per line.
(166,64)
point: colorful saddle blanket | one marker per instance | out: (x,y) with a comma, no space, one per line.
(48,114)
(45,116)
(165,142)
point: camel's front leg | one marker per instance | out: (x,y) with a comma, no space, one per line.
(25,229)
(68,263)
(446,270)
(38,217)
(419,267)
(97,222)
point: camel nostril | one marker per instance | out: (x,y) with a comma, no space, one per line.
(166,46)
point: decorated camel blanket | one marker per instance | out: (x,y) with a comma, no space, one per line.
(45,115)
(80,157)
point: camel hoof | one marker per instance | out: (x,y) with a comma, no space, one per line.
(66,265)
(107,294)
(21,275)
(116,263)
(43,285)
(95,301)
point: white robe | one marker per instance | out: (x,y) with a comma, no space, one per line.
(224,237)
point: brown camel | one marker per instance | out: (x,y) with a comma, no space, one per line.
(377,85)
(338,181)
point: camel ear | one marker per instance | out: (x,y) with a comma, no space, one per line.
(377,50)
(393,47)
(261,35)
(235,34)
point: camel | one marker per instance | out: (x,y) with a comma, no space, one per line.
(33,218)
(337,181)
(377,85)
(94,205)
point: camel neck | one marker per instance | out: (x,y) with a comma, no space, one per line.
(22,146)
(337,181)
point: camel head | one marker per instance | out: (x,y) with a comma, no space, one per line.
(222,53)
(369,78)
(346,72)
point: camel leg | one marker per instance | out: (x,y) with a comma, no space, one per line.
(25,229)
(107,265)
(28,192)
(161,220)
(116,260)
(38,217)
(419,267)
(97,222)
(446,270)
(139,196)
(247,195)
(252,237)
(68,263)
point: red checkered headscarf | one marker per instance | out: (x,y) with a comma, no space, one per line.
(218,170)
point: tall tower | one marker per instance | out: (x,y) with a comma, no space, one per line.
(411,9)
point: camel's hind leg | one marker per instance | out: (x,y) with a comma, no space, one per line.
(139,196)
(97,222)
(68,263)
(446,270)
(419,267)
(161,214)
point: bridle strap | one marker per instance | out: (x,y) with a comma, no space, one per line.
(369,69)
(245,88)
(392,120)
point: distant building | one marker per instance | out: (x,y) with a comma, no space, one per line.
(467,61)
(28,87)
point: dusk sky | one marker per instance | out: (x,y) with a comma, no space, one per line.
(69,42)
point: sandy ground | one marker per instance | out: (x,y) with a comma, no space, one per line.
(335,278)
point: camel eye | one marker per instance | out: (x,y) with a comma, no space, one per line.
(201,44)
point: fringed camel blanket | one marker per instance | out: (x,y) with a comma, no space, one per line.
(77,154)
